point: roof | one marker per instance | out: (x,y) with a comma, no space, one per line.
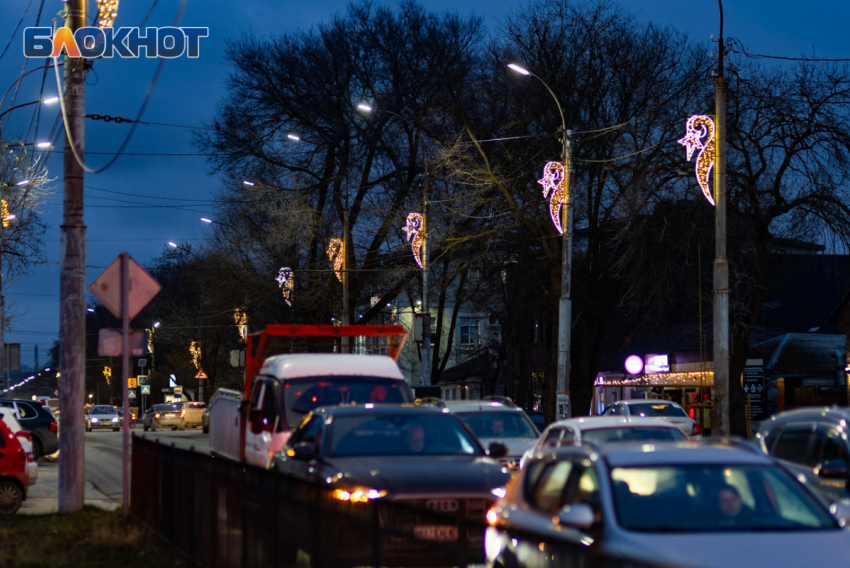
(330,364)
(478,405)
(478,366)
(371,409)
(804,354)
(681,453)
(599,422)
(810,414)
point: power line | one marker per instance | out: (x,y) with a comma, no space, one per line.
(18,27)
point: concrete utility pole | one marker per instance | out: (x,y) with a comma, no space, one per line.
(72,281)
(125,374)
(346,317)
(426,306)
(721,266)
(565,304)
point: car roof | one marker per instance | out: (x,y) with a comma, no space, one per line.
(330,364)
(811,414)
(382,409)
(597,422)
(628,454)
(479,405)
(647,401)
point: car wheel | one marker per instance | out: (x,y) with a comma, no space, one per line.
(116,429)
(145,427)
(11,497)
(181,428)
(153,427)
(37,450)
(205,429)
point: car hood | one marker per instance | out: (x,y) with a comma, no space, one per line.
(427,475)
(824,549)
(516,446)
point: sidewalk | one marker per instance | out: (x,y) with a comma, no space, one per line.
(43,497)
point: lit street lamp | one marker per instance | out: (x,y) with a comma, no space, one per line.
(563,408)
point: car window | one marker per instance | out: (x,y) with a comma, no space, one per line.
(507,424)
(771,437)
(103,410)
(655,409)
(552,438)
(631,433)
(614,411)
(548,490)
(587,489)
(830,446)
(793,443)
(310,430)
(26,411)
(400,435)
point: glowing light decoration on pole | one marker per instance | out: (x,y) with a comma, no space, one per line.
(336,252)
(240,318)
(415,230)
(286,282)
(107,11)
(553,181)
(195,350)
(4,213)
(701,127)
(107,374)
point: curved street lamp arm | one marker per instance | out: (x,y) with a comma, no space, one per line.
(557,102)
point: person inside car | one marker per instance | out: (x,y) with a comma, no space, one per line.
(416,439)
(730,504)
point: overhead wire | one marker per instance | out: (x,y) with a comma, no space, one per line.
(18,27)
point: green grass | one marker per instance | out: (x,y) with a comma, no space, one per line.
(91,538)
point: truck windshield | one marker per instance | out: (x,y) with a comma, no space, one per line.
(303,395)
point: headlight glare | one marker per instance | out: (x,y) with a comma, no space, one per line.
(358,494)
(94,420)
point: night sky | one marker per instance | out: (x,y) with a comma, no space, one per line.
(163,197)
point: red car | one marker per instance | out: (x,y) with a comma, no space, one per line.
(14,479)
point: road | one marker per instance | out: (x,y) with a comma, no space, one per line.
(104,471)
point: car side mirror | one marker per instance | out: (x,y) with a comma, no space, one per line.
(497,450)
(305,451)
(841,511)
(579,516)
(833,469)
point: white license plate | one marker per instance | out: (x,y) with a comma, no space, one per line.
(435,532)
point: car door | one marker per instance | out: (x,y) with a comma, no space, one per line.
(830,456)
(262,422)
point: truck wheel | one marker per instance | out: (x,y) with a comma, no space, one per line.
(11,497)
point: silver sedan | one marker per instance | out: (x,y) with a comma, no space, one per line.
(103,417)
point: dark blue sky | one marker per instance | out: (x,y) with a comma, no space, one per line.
(169,194)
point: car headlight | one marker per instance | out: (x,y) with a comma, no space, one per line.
(499,492)
(358,494)
(115,419)
(94,420)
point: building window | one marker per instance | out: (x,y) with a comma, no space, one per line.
(468,331)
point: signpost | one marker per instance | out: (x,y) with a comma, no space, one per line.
(146,390)
(131,383)
(755,389)
(124,288)
(201,376)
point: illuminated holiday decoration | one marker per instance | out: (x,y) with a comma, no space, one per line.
(414,229)
(554,176)
(336,252)
(4,213)
(150,341)
(240,318)
(195,350)
(286,282)
(107,374)
(107,10)
(699,127)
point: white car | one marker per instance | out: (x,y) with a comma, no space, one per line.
(602,430)
(7,415)
(658,409)
(700,504)
(102,417)
(497,422)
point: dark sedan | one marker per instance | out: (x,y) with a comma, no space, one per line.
(40,422)
(421,467)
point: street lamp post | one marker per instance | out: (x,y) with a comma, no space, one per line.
(563,407)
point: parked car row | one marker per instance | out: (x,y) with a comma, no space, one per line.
(39,421)
(15,463)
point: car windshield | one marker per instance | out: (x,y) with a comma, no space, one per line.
(103,410)
(165,407)
(303,395)
(498,424)
(631,433)
(714,497)
(653,409)
(400,435)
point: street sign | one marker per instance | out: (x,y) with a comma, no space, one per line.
(109,342)
(146,389)
(107,288)
(755,390)
(143,379)
(178,390)
(201,375)
(132,393)
(131,383)
(143,362)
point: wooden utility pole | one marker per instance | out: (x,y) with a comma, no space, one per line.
(72,281)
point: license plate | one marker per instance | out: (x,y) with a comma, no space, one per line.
(435,532)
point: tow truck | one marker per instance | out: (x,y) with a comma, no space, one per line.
(280,390)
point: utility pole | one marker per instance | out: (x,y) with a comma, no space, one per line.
(565,306)
(125,375)
(721,266)
(426,307)
(72,280)
(345,315)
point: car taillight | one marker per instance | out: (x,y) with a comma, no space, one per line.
(696,430)
(29,457)
(492,516)
(182,413)
(157,415)
(53,426)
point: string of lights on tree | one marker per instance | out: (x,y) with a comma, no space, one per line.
(107,11)
(286,282)
(554,175)
(701,127)
(107,374)
(240,318)
(415,229)
(336,253)
(195,350)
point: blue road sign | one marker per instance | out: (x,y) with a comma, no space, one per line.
(146,389)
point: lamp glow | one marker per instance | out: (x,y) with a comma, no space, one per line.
(336,253)
(240,318)
(519,69)
(698,127)
(4,213)
(293,137)
(634,364)
(107,10)
(205,220)
(44,145)
(286,283)
(364,107)
(22,182)
(554,175)
(172,244)
(157,324)
(50,101)
(414,229)
(246,182)
(90,310)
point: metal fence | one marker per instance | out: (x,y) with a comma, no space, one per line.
(222,513)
